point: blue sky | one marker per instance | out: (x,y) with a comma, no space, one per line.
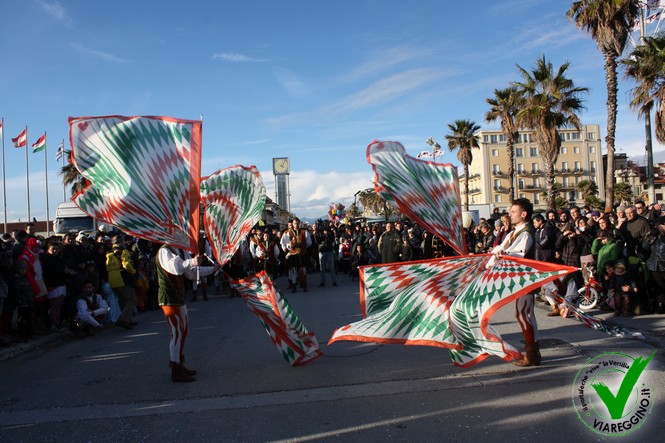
(315,81)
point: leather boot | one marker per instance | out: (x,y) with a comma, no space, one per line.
(190,372)
(178,375)
(532,356)
(554,312)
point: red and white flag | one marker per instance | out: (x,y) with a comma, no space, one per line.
(21,140)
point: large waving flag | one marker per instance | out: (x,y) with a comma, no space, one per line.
(233,199)
(297,345)
(145,175)
(20,140)
(446,302)
(427,192)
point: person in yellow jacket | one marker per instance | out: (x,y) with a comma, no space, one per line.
(121,273)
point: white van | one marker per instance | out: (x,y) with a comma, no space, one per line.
(70,218)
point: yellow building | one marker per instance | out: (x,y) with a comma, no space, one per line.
(579,159)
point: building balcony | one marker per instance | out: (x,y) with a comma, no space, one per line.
(472,176)
(578,171)
(536,172)
(501,189)
(474,191)
(498,174)
(566,171)
(522,172)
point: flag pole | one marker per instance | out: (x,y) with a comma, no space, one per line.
(48,224)
(4,184)
(27,172)
(62,158)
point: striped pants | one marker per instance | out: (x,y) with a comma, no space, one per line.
(526,316)
(178,324)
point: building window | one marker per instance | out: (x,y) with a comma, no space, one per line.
(486,138)
(495,152)
(534,167)
(497,184)
(502,138)
(578,166)
(493,138)
(533,152)
(592,149)
(565,182)
(575,136)
(536,198)
(536,183)
(593,166)
(591,136)
(519,152)
(562,150)
(497,198)
(576,149)
(521,183)
(495,168)
(564,166)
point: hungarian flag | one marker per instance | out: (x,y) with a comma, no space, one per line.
(144,174)
(20,141)
(39,145)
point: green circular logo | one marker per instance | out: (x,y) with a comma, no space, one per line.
(612,393)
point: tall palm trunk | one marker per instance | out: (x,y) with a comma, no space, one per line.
(466,186)
(511,167)
(612,88)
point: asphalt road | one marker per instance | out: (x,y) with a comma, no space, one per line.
(116,385)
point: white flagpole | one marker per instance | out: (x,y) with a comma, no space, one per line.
(48,224)
(4,184)
(27,173)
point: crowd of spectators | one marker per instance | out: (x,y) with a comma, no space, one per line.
(623,250)
(81,280)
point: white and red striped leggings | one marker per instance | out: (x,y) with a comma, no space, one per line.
(178,323)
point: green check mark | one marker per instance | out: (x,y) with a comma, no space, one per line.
(616,404)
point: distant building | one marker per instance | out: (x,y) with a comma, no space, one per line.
(580,158)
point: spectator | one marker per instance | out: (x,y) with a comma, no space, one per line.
(324,239)
(55,278)
(545,238)
(390,245)
(121,272)
(625,287)
(655,242)
(91,310)
(360,258)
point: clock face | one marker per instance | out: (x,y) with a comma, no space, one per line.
(281,166)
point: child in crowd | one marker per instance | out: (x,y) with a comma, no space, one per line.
(624,286)
(22,291)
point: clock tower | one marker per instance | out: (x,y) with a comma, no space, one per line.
(281,168)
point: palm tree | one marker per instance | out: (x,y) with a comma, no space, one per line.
(353,211)
(587,188)
(609,22)
(71,176)
(504,106)
(463,138)
(623,192)
(646,66)
(551,101)
(371,200)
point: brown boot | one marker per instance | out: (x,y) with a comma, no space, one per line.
(532,356)
(178,375)
(190,372)
(554,312)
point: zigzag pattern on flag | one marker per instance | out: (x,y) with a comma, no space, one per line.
(144,175)
(446,302)
(233,200)
(297,345)
(427,192)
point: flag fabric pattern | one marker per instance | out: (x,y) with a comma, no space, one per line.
(21,140)
(447,302)
(427,192)
(39,145)
(60,152)
(297,345)
(233,199)
(145,175)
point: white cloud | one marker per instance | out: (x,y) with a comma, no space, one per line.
(294,86)
(234,57)
(313,192)
(54,9)
(105,56)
